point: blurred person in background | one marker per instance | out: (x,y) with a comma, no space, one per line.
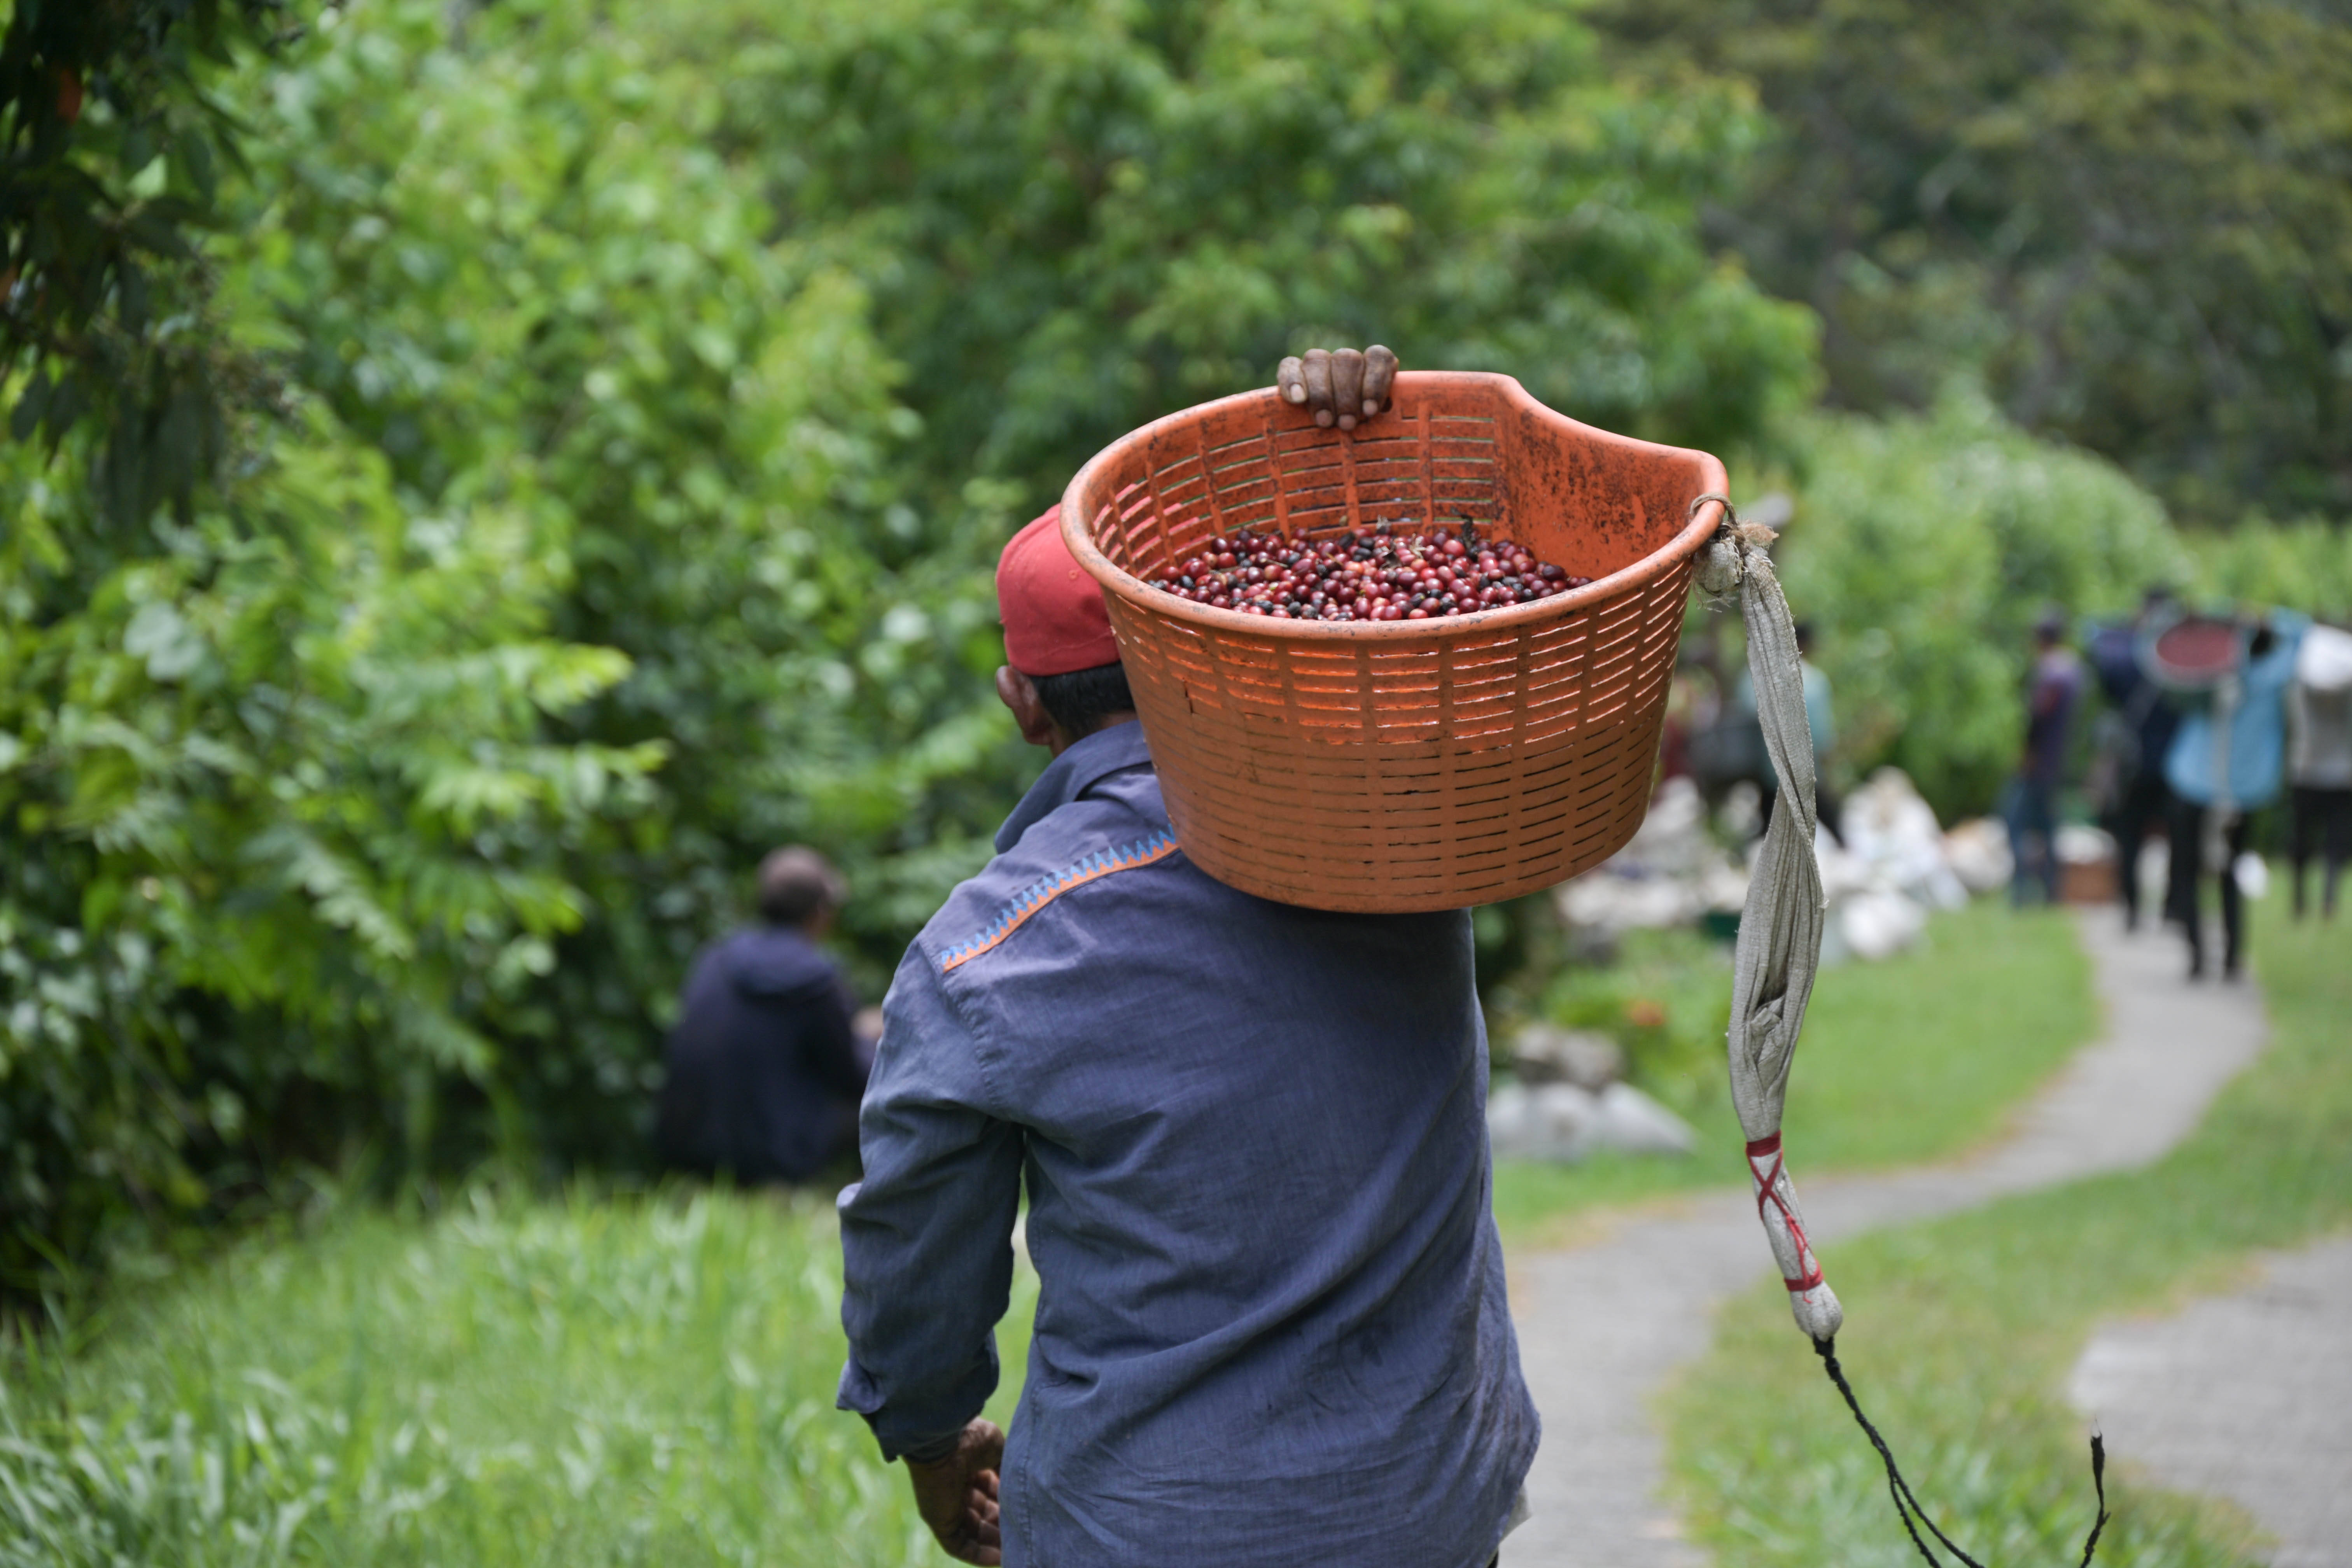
(2136,735)
(2227,762)
(766,1065)
(2052,694)
(2319,762)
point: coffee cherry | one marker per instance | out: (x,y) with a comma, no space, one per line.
(1387,573)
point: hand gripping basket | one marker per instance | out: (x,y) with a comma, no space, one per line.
(1400,765)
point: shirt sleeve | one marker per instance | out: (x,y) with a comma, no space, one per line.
(926,1237)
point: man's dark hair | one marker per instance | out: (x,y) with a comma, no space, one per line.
(1081,700)
(797,883)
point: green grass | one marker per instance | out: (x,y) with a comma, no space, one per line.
(1919,1057)
(1964,1328)
(579,1382)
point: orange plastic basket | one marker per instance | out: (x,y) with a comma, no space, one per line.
(1400,765)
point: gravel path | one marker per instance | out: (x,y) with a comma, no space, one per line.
(1604,1327)
(2247,1397)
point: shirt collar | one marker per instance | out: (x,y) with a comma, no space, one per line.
(1075,772)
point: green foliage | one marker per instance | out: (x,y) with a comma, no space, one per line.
(2303,566)
(1078,217)
(580,1382)
(2133,216)
(286,840)
(112,154)
(1968,1382)
(514,263)
(1924,549)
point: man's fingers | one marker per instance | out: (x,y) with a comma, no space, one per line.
(982,1537)
(1291,382)
(1380,375)
(1315,366)
(1347,386)
(1339,387)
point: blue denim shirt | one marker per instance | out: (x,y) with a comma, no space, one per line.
(1271,1329)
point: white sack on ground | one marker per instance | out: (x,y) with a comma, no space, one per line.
(1551,1122)
(1891,829)
(1634,1123)
(1878,925)
(1546,1053)
(1977,852)
(2078,843)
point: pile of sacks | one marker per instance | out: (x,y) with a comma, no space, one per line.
(1895,866)
(1570,1099)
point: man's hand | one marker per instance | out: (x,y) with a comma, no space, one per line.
(1342,385)
(957,1496)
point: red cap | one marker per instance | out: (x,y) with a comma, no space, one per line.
(1053,612)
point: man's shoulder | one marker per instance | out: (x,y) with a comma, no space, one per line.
(1061,857)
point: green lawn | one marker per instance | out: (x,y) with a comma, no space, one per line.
(1966,1327)
(590,1382)
(1921,1057)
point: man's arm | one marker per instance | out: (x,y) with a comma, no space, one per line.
(927,1260)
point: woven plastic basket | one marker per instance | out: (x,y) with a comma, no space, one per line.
(1400,765)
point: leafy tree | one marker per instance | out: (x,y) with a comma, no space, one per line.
(512,261)
(1076,217)
(2134,216)
(285,844)
(111,151)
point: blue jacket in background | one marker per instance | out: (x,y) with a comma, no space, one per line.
(2257,737)
(763,1068)
(1271,1330)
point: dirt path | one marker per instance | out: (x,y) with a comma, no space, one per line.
(2246,1396)
(1607,1325)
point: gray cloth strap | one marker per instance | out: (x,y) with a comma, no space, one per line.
(1780,945)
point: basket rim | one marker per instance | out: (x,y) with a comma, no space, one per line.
(1078,535)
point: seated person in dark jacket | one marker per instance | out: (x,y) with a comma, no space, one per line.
(765,1066)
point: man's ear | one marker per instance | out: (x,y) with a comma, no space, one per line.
(1018,692)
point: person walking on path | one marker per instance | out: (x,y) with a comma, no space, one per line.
(1271,1328)
(2137,804)
(765,1067)
(2056,691)
(2226,763)
(2319,762)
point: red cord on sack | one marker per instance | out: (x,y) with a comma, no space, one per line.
(1770,1193)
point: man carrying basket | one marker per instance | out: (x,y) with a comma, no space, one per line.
(1272,1328)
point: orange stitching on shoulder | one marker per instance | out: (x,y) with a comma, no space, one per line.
(1045,890)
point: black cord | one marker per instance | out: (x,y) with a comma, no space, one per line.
(1906,1505)
(2099,1480)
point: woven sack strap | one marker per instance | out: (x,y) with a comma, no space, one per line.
(1780,944)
